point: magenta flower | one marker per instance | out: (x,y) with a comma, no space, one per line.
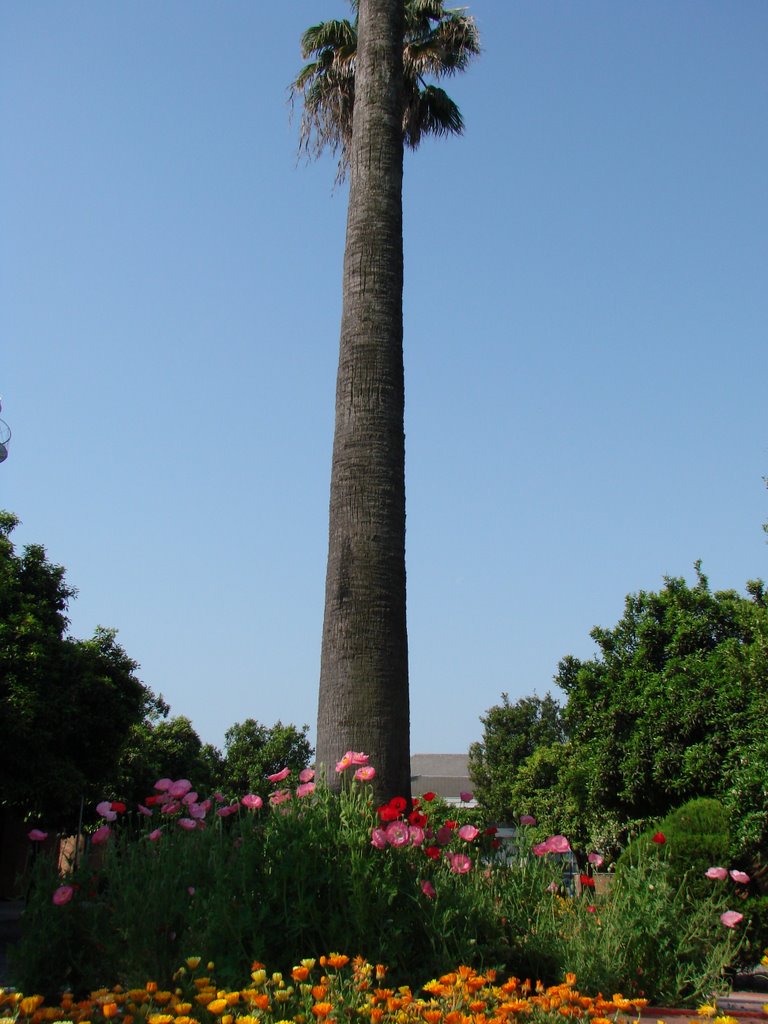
(416,833)
(740,876)
(366,773)
(279,796)
(196,811)
(527,819)
(144,810)
(191,890)
(559,844)
(731,918)
(595,859)
(460,863)
(163,785)
(305,789)
(63,895)
(279,776)
(155,835)
(397,833)
(541,848)
(468,833)
(224,812)
(219,798)
(716,874)
(101,835)
(189,798)
(465,797)
(306,774)
(378,838)
(170,808)
(444,835)
(180,788)
(428,889)
(36,835)
(188,824)
(104,809)
(252,801)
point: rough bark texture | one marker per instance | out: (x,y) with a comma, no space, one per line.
(363,702)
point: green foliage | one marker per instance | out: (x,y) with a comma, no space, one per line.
(512,733)
(254,751)
(66,705)
(674,705)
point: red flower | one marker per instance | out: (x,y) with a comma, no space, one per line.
(587,882)
(118,806)
(449,824)
(428,796)
(388,813)
(418,819)
(398,803)
(660,838)
(433,852)
(491,830)
(495,844)
(151,800)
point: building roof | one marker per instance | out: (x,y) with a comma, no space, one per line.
(444,774)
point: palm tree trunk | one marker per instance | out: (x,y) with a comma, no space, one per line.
(363,703)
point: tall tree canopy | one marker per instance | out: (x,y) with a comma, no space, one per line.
(66,705)
(253,751)
(365,95)
(437,43)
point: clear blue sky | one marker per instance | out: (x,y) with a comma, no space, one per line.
(585,318)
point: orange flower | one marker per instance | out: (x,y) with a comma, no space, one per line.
(321,1010)
(336,960)
(319,992)
(29,1004)
(217,1006)
(300,973)
(110,1009)
(151,987)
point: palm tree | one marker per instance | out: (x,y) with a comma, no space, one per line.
(377,66)
(437,43)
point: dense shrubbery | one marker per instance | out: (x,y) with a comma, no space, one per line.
(310,871)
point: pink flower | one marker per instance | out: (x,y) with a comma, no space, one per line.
(460,863)
(596,859)
(306,774)
(344,763)
(101,835)
(716,874)
(541,848)
(180,788)
(527,819)
(196,811)
(305,789)
(252,801)
(279,776)
(144,810)
(558,844)
(428,889)
(468,833)
(224,812)
(188,824)
(189,798)
(191,890)
(279,796)
(163,784)
(378,838)
(171,807)
(357,757)
(465,797)
(105,810)
(63,895)
(416,835)
(731,918)
(444,835)
(397,833)
(219,798)
(740,876)
(155,835)
(366,773)
(36,835)
(553,887)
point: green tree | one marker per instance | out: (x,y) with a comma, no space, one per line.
(511,734)
(363,699)
(254,751)
(166,748)
(437,43)
(674,705)
(66,705)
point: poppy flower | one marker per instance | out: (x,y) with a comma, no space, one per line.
(587,882)
(163,785)
(188,824)
(468,833)
(63,895)
(378,838)
(595,859)
(279,776)
(465,797)
(144,810)
(101,835)
(429,797)
(527,819)
(716,874)
(306,774)
(155,834)
(731,918)
(397,833)
(252,801)
(179,788)
(428,889)
(459,862)
(659,839)
(418,819)
(36,835)
(279,796)
(416,833)
(306,789)
(399,803)
(387,813)
(365,773)
(740,876)
(433,852)
(104,809)
(491,830)
(119,806)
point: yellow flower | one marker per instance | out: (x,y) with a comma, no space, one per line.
(259,977)
(182,1009)
(29,1004)
(217,1006)
(725,1020)
(707,1010)
(309,964)
(160,1018)
(193,962)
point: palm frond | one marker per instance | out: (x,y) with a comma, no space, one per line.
(333,35)
(433,112)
